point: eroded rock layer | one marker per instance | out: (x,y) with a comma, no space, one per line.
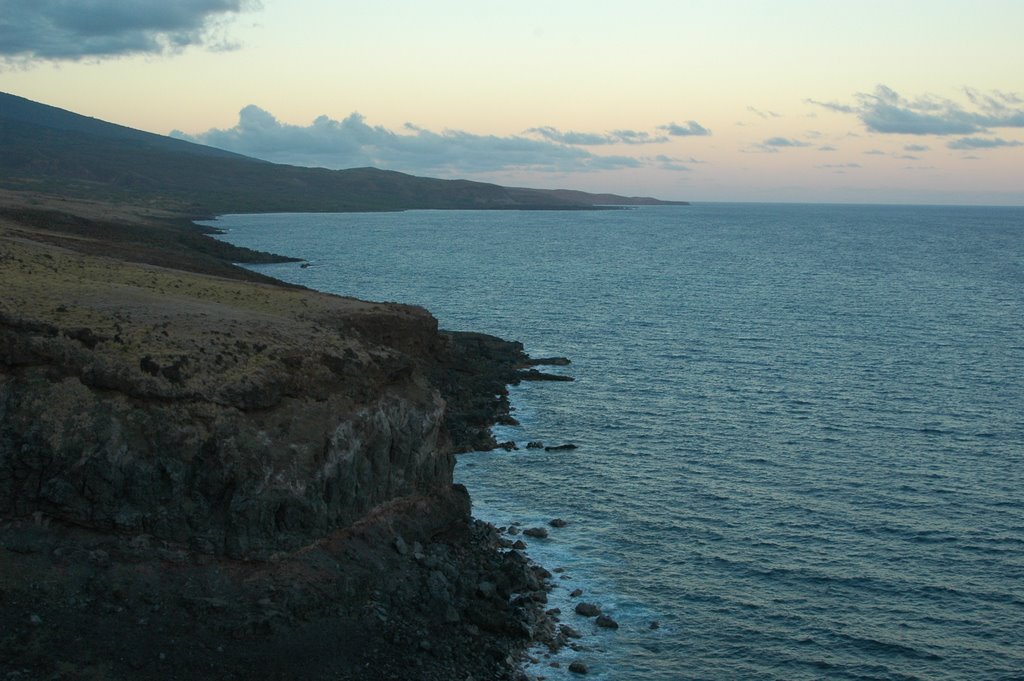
(189,461)
(241,428)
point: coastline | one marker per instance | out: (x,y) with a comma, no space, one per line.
(118,557)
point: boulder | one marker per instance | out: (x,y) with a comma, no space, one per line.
(549,361)
(534,375)
(578,667)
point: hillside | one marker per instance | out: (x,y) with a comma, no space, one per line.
(207,474)
(50,150)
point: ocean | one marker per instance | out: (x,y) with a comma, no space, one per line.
(800,428)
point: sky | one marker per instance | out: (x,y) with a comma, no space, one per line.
(786,100)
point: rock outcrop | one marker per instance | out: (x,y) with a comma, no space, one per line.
(239,476)
(235,442)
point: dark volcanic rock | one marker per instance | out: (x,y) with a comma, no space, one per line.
(587,610)
(194,471)
(549,361)
(211,479)
(578,667)
(558,522)
(473,375)
(341,610)
(534,375)
(560,448)
(538,532)
(606,622)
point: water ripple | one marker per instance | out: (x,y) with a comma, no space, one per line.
(801,442)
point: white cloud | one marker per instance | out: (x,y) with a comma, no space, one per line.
(983,143)
(886,111)
(763,114)
(590,139)
(784,142)
(691,129)
(772,145)
(672,163)
(351,142)
(72,30)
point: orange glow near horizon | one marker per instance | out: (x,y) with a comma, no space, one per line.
(781,88)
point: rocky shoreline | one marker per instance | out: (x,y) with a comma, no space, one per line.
(205,475)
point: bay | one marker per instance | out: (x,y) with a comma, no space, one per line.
(800,427)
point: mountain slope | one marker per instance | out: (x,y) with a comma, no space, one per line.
(51,150)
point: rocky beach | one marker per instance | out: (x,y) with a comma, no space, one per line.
(207,474)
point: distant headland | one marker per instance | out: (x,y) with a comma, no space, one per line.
(208,473)
(52,150)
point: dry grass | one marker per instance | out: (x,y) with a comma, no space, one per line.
(217,329)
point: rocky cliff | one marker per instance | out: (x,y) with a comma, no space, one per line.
(235,461)
(242,428)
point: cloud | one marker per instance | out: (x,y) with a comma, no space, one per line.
(588,139)
(772,145)
(916,147)
(886,111)
(351,142)
(635,137)
(784,142)
(671,163)
(983,143)
(838,168)
(764,114)
(827,147)
(833,106)
(691,129)
(71,30)
(993,102)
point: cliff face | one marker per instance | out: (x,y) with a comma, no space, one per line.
(252,468)
(249,461)
(46,147)
(244,428)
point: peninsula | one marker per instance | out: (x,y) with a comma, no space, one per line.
(209,474)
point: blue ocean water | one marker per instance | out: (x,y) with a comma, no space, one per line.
(800,427)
